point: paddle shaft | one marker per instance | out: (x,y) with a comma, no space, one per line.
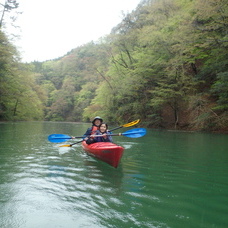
(75,143)
(116,128)
(118,134)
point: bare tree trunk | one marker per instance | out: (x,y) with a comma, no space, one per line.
(3,12)
(176,118)
(15,108)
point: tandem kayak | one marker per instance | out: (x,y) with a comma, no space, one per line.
(105,151)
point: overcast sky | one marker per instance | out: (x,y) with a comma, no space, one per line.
(51,28)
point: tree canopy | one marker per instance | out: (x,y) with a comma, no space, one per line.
(165,63)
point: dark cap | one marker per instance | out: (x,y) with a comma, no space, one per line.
(97,118)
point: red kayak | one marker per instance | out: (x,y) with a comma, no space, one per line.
(105,151)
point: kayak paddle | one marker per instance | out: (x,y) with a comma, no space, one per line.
(56,138)
(134,133)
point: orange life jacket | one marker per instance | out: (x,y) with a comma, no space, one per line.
(94,129)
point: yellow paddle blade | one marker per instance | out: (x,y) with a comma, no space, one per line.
(131,123)
(65,145)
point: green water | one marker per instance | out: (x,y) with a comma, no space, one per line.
(165,179)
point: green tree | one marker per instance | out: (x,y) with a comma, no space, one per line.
(20,96)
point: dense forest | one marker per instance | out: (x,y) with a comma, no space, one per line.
(165,63)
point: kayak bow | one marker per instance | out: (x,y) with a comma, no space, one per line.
(105,151)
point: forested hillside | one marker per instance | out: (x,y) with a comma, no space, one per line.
(20,96)
(165,63)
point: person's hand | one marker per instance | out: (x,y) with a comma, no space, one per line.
(105,135)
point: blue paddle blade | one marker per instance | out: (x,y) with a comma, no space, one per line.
(135,133)
(57,138)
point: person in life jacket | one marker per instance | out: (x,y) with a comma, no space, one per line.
(97,121)
(104,135)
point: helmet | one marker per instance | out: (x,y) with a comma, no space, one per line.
(97,118)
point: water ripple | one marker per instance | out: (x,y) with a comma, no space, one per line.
(157,184)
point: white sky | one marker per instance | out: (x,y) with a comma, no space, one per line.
(51,28)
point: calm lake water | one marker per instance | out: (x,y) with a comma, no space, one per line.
(165,179)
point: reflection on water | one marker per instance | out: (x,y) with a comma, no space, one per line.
(165,179)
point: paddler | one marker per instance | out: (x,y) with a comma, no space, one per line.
(104,135)
(97,121)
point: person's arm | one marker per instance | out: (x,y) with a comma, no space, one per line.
(98,138)
(109,136)
(87,134)
(90,140)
